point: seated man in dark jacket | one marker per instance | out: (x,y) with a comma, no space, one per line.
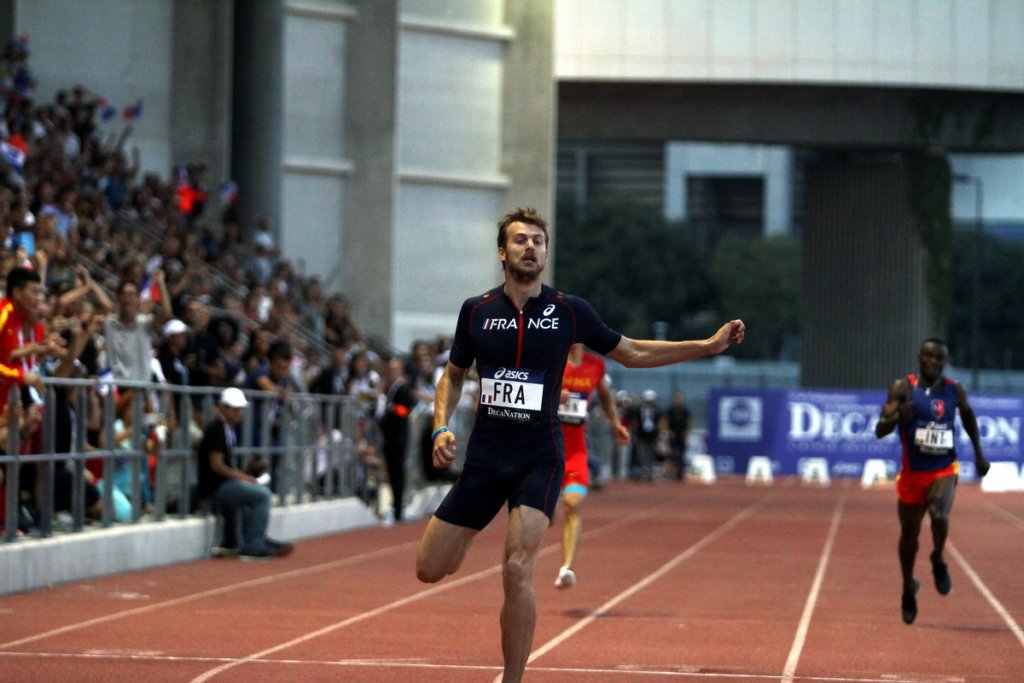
(233,489)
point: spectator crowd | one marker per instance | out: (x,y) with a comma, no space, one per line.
(109,272)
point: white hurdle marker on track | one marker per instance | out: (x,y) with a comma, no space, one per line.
(759,470)
(876,474)
(1002,476)
(814,472)
(702,468)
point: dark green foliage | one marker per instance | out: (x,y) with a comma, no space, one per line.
(930,200)
(637,269)
(634,267)
(1002,299)
(759,281)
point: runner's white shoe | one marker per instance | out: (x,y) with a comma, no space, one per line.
(566,578)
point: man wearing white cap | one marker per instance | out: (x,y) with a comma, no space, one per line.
(232,488)
(171,350)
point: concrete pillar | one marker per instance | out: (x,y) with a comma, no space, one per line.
(864,308)
(371,126)
(528,117)
(257,105)
(201,101)
(7,22)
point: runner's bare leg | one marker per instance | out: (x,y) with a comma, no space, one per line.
(442,550)
(940,502)
(526,529)
(573,527)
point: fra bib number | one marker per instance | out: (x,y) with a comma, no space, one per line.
(515,395)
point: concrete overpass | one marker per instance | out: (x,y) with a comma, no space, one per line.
(875,95)
(811,116)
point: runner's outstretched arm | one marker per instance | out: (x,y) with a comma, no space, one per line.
(648,353)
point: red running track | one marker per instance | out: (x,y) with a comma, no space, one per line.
(676,583)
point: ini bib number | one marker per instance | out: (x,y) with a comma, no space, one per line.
(934,440)
(512,394)
(573,411)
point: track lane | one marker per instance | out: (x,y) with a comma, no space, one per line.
(712,614)
(730,611)
(858,630)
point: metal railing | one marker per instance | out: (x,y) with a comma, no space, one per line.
(308,438)
(313,450)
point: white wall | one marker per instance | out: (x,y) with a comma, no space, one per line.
(966,43)
(314,88)
(124,56)
(451,186)
(312,216)
(315,167)
(473,14)
(448,253)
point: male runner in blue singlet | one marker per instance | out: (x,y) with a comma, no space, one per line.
(924,408)
(519,335)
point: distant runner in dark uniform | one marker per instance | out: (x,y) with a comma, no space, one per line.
(519,335)
(924,408)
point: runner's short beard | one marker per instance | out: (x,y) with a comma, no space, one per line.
(522,275)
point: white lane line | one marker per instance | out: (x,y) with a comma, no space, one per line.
(647,581)
(1006,514)
(1015,629)
(613,674)
(362,616)
(812,598)
(401,602)
(245,585)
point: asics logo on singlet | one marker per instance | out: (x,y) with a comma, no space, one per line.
(550,309)
(504,373)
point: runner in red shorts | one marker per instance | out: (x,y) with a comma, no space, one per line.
(924,408)
(584,374)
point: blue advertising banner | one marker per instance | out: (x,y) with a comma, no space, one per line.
(789,425)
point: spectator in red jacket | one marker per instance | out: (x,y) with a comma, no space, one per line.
(23,338)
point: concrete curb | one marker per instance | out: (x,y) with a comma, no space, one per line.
(32,563)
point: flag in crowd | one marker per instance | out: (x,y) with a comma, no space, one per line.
(14,157)
(149,290)
(107,110)
(229,192)
(133,112)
